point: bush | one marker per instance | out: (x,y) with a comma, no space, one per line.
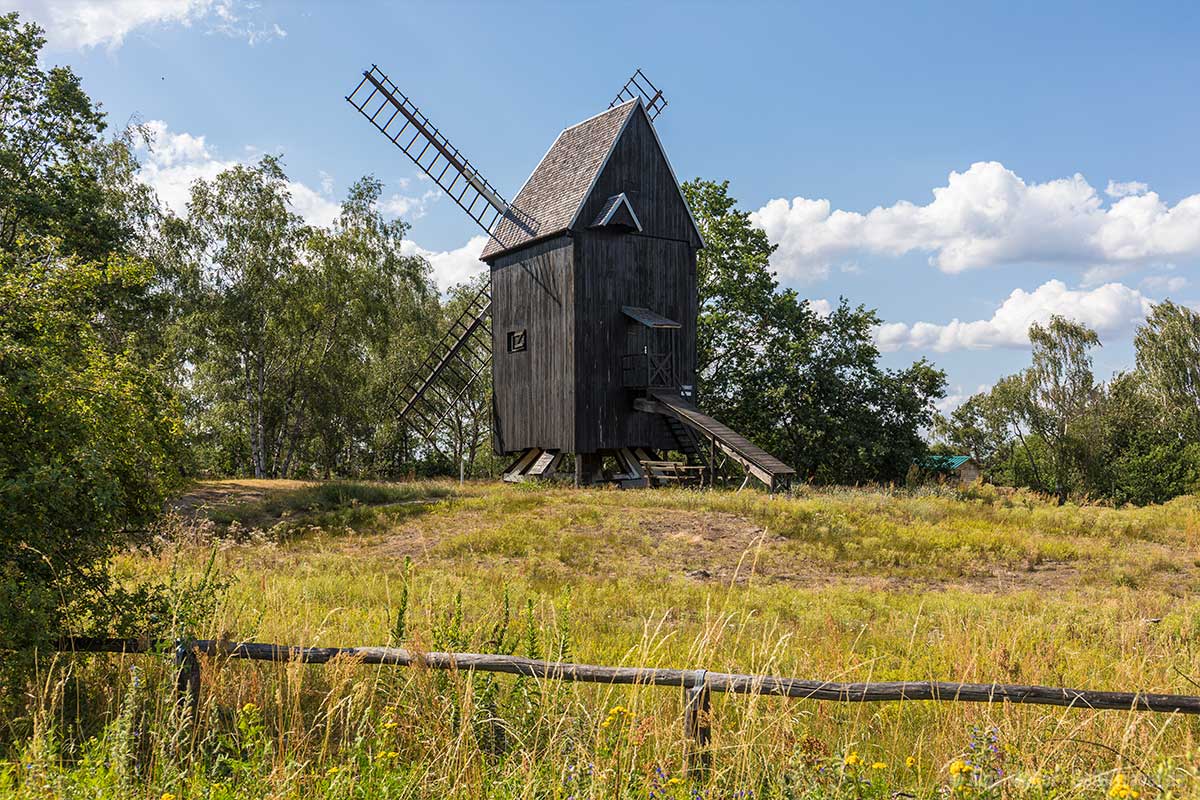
(88,442)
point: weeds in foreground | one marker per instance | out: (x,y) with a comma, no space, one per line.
(594,576)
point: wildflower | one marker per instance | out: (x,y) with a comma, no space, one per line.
(852,759)
(879,765)
(167,796)
(390,724)
(674,782)
(333,770)
(1035,779)
(910,762)
(1120,788)
(959,767)
(249,708)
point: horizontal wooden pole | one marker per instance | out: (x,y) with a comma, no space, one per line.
(944,691)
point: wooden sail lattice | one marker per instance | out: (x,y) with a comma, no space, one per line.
(640,86)
(459,359)
(399,119)
(463,354)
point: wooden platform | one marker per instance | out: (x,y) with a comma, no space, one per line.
(758,462)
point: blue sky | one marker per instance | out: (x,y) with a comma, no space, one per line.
(1071,130)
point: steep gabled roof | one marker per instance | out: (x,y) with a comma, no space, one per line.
(551,197)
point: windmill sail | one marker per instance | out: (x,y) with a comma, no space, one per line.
(463,353)
(640,86)
(457,361)
(399,119)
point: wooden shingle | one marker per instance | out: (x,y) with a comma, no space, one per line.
(550,198)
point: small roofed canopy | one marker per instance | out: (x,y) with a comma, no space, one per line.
(944,463)
(648,318)
(617,212)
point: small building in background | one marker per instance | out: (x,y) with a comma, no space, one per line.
(962,470)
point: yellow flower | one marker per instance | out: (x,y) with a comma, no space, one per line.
(167,796)
(879,765)
(959,767)
(852,759)
(1120,788)
(910,762)
(333,770)
(249,708)
(674,782)
(391,723)
(1035,779)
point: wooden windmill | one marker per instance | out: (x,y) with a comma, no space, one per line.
(589,322)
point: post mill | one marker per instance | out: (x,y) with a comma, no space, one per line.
(588,323)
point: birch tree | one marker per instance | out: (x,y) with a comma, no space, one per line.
(1168,356)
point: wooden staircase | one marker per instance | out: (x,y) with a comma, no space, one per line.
(757,462)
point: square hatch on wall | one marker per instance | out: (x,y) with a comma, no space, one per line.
(516,341)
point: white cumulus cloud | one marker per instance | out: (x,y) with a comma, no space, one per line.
(94,23)
(1165,284)
(1126,188)
(412,207)
(174,161)
(452,267)
(986,216)
(1107,309)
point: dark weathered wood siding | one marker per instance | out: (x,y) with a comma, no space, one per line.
(566,390)
(638,168)
(533,290)
(626,270)
(655,268)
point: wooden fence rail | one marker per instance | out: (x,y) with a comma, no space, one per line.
(697,683)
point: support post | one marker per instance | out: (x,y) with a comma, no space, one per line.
(187,678)
(589,469)
(697,722)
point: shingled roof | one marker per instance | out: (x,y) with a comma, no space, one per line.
(549,200)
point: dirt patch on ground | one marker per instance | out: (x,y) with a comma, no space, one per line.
(215,494)
(704,546)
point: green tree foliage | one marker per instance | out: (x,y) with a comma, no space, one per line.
(50,184)
(1054,428)
(805,386)
(89,442)
(1168,356)
(1059,394)
(89,428)
(296,332)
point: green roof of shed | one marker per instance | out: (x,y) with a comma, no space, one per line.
(944,463)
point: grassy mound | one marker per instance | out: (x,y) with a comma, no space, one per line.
(838,585)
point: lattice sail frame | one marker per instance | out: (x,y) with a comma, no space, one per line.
(640,86)
(427,147)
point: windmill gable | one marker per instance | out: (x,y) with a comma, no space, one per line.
(638,168)
(551,197)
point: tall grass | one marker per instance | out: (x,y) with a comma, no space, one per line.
(845,585)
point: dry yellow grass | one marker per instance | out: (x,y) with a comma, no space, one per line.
(838,585)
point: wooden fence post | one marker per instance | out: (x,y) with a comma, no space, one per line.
(187,679)
(697,721)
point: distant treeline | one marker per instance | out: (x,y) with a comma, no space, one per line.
(1053,427)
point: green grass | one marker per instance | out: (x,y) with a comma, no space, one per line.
(841,584)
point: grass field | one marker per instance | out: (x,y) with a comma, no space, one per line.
(977,586)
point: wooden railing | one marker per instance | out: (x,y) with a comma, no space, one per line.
(697,683)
